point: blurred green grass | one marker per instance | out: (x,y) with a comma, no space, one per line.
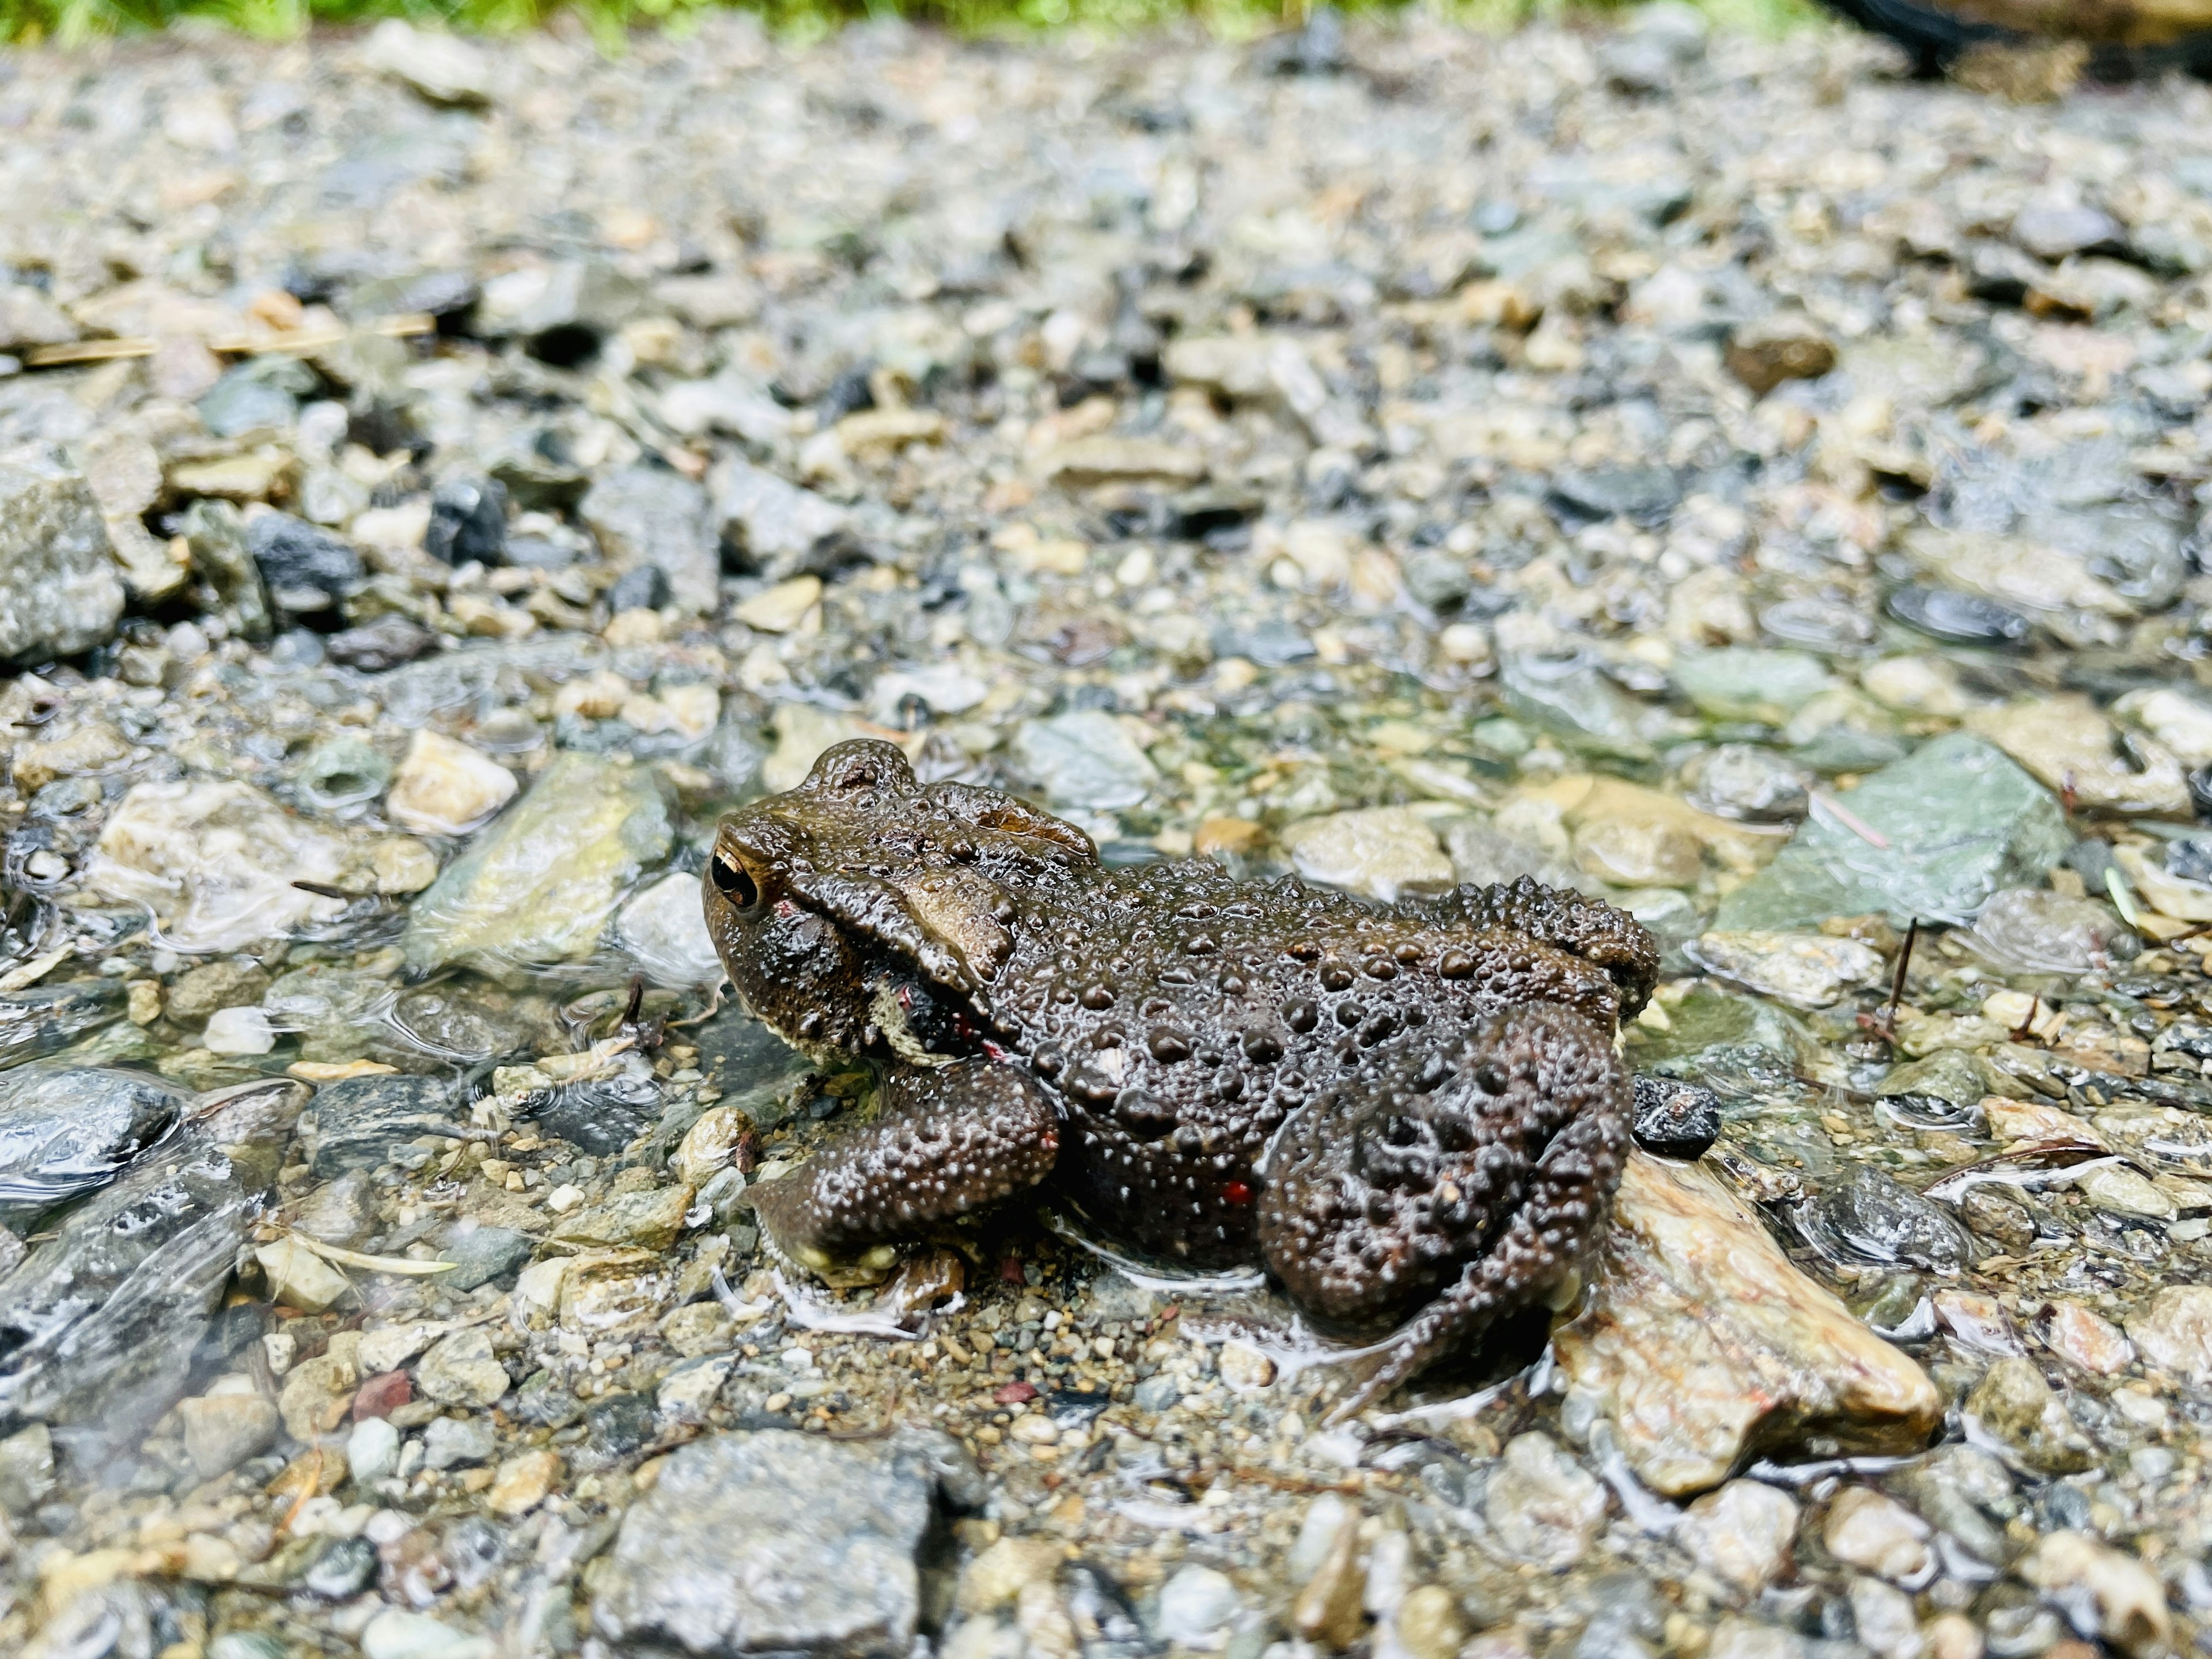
(74,21)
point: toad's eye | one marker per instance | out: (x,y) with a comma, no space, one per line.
(734,885)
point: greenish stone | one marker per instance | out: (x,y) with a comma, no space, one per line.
(1840,748)
(262,394)
(541,886)
(1501,736)
(342,771)
(337,1015)
(1743,684)
(1707,1020)
(215,534)
(1959,820)
(1948,1075)
(1575,702)
(486,1254)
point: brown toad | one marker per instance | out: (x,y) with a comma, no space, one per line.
(1413,1116)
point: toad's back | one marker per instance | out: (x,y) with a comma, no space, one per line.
(1182,1017)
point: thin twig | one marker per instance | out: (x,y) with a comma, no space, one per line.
(1897,981)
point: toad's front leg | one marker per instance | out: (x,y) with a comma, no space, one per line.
(951,1140)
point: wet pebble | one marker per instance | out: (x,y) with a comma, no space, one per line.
(1742,1533)
(1381,853)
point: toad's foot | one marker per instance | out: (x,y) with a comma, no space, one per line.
(950,1141)
(1541,1248)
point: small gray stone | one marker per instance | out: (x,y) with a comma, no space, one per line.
(1084,760)
(1743,782)
(460,1370)
(1195,1603)
(2055,232)
(485,1253)
(1741,1534)
(359,1121)
(1484,857)
(774,525)
(28,320)
(1543,1506)
(2032,930)
(451,1440)
(299,558)
(1641,493)
(27,1469)
(348,1567)
(648,515)
(222,1431)
(1157,1393)
(779,1542)
(1870,1215)
(1569,697)
(1737,683)
(60,591)
(246,400)
(66,1130)
(665,929)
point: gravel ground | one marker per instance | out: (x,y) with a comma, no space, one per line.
(436,479)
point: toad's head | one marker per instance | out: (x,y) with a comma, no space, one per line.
(864,910)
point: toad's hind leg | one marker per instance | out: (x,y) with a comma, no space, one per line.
(1447,1183)
(951,1140)
(1569,1197)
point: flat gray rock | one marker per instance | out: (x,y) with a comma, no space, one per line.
(781,1542)
(61,591)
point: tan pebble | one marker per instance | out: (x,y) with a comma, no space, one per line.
(1952,1636)
(402,865)
(298,1278)
(1328,1608)
(523,1482)
(311,1474)
(315,1395)
(1741,1534)
(1225,835)
(208,1560)
(1638,852)
(1504,1642)
(707,1145)
(1867,1529)
(598,695)
(2174,1333)
(780,608)
(1043,1620)
(999,1575)
(1243,1367)
(1429,1622)
(444,787)
(320,1071)
(639,627)
(2096,1345)
(2129,1600)
(63,1576)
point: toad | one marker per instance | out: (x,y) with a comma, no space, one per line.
(1413,1116)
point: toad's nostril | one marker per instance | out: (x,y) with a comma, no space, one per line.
(733,884)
